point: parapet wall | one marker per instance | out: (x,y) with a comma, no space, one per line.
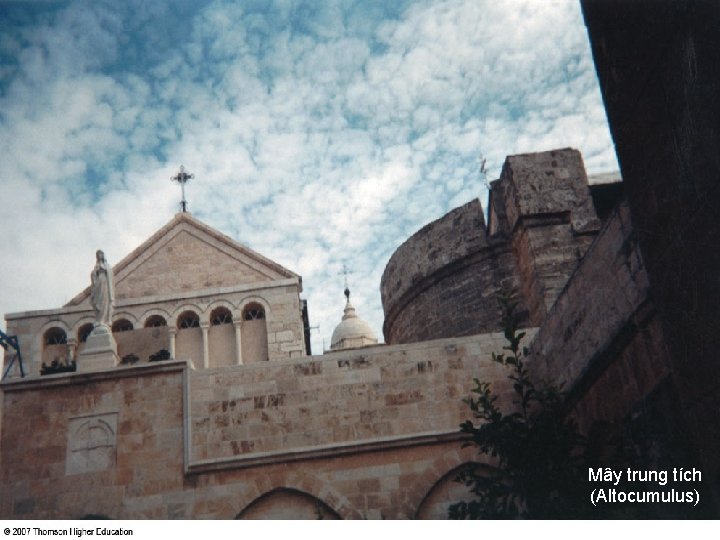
(371,433)
(350,399)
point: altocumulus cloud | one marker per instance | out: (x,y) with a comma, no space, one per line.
(319,133)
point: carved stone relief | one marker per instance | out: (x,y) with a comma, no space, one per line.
(91,443)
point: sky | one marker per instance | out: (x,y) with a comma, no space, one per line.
(320,133)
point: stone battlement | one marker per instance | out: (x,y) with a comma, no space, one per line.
(541,222)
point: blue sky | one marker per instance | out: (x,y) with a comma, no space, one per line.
(319,133)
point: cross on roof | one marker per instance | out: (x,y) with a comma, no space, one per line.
(182,178)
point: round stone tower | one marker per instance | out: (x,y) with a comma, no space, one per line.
(444,280)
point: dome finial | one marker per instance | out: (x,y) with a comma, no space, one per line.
(352,332)
(345,273)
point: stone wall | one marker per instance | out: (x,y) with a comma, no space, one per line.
(141,342)
(118,468)
(660,89)
(366,434)
(601,339)
(338,399)
(203,265)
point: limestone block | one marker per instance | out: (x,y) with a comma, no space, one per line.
(549,183)
(284,336)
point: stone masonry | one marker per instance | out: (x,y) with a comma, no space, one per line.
(167,441)
(601,339)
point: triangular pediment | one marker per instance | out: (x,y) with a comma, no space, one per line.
(187,255)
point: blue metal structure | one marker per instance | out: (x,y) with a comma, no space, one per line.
(12,341)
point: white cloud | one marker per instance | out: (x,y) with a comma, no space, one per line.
(318,136)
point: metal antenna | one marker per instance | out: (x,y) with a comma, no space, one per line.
(182,178)
(488,187)
(483,170)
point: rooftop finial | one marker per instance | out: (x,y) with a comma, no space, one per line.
(345,272)
(182,178)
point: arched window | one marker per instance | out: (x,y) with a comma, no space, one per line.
(123,325)
(55,351)
(220,315)
(253,312)
(55,336)
(154,321)
(84,332)
(188,319)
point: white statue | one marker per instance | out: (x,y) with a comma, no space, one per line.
(102,294)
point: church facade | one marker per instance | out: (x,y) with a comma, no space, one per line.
(187,292)
(215,409)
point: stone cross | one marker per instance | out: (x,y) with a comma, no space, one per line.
(91,446)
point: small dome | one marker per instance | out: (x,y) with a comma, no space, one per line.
(352,331)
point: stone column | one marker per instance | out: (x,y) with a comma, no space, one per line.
(172,331)
(204,326)
(72,345)
(238,342)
